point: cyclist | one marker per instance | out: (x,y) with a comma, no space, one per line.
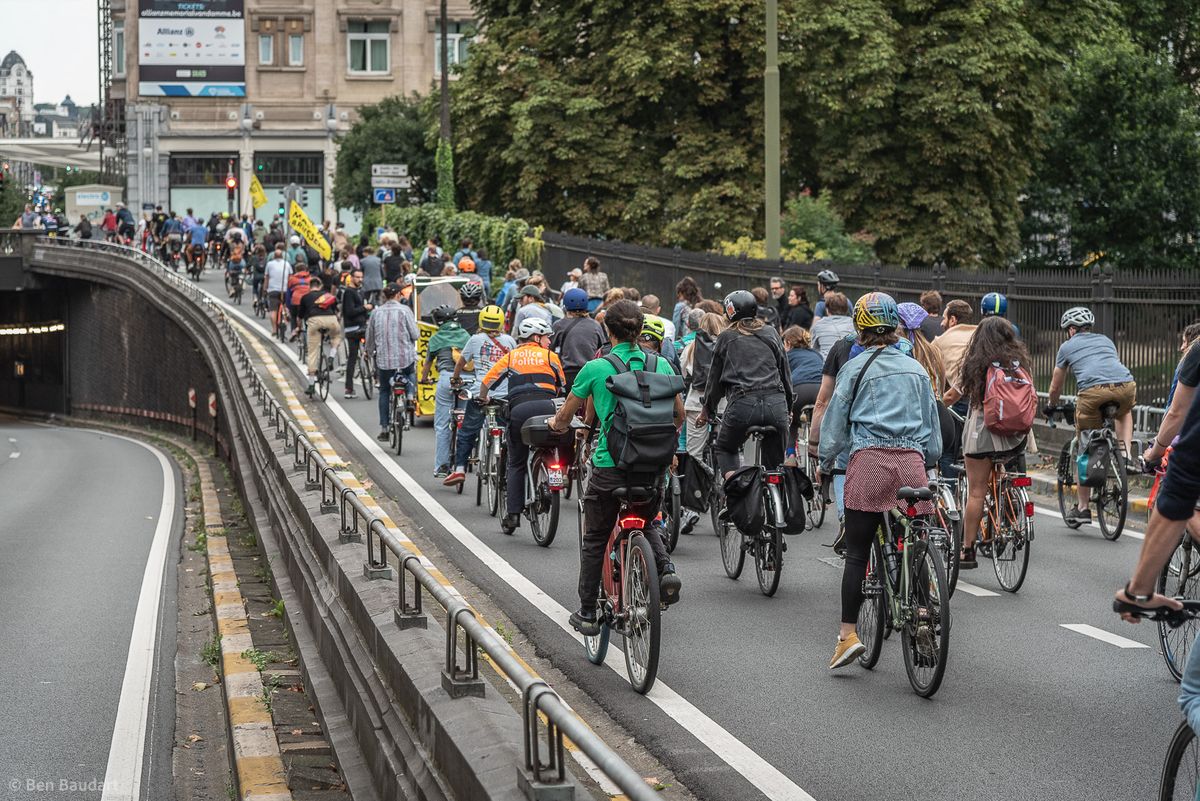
(996,305)
(576,338)
(1100,378)
(995,341)
(392,335)
(295,250)
(297,288)
(258,265)
(125,222)
(318,310)
(531,304)
(534,376)
(444,348)
(235,266)
(471,295)
(354,320)
(198,242)
(482,350)
(696,361)
(172,235)
(882,411)
(750,369)
(277,273)
(827,281)
(654,339)
(600,507)
(952,344)
(835,323)
(804,366)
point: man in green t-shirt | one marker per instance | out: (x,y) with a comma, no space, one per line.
(600,508)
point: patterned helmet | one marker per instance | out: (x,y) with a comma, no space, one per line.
(877,312)
(740,305)
(1077,317)
(491,318)
(653,327)
(993,305)
(471,292)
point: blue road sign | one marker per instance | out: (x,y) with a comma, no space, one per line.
(385,195)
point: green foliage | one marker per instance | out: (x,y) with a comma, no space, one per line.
(811,218)
(393,131)
(503,238)
(1170,30)
(445,176)
(211,652)
(12,202)
(798,250)
(1119,175)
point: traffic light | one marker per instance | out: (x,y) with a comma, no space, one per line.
(231,185)
(303,199)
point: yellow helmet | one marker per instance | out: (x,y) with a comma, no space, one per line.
(653,327)
(491,318)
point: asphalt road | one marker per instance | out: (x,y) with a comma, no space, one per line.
(1028,709)
(80,512)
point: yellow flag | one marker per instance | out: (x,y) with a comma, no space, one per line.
(305,227)
(257,196)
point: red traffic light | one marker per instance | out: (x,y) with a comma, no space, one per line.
(231,183)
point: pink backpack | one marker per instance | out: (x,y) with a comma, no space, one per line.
(1009,400)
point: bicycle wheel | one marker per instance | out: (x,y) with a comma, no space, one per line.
(816,504)
(1180,577)
(597,647)
(1181,770)
(323,377)
(366,374)
(501,482)
(398,424)
(1011,544)
(1066,481)
(672,512)
(483,445)
(543,522)
(873,610)
(732,554)
(642,610)
(768,551)
(1112,504)
(926,635)
(950,519)
(493,476)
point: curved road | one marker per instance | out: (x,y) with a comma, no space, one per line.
(82,515)
(1028,709)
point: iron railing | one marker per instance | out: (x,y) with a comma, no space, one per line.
(545,767)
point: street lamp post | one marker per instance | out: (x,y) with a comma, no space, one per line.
(771,130)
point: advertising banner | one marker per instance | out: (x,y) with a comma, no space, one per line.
(191,48)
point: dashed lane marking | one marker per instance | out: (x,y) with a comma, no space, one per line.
(1103,636)
(14,455)
(971,589)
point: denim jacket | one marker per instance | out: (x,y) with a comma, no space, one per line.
(895,408)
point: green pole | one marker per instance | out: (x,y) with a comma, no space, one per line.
(771,130)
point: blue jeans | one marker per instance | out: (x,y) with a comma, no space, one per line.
(839,493)
(443,399)
(385,391)
(468,435)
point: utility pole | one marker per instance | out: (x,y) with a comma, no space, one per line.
(771,130)
(445,58)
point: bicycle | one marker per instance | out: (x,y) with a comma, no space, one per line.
(260,303)
(1112,498)
(1183,754)
(459,393)
(399,417)
(545,476)
(912,595)
(715,496)
(325,365)
(1180,578)
(949,501)
(493,455)
(628,603)
(1006,528)
(766,545)
(814,506)
(233,283)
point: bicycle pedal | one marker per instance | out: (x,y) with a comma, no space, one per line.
(871,589)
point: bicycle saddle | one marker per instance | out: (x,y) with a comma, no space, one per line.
(754,431)
(914,494)
(634,494)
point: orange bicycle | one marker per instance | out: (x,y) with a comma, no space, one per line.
(1006,529)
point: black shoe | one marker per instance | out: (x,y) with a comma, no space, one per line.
(585,622)
(669,585)
(966,559)
(839,542)
(510,523)
(1078,516)
(442,471)
(384,435)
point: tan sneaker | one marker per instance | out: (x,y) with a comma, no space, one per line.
(846,652)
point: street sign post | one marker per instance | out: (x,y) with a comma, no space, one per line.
(212,412)
(389,170)
(383,196)
(391,182)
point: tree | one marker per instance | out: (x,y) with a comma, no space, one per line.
(395,130)
(1119,174)
(811,218)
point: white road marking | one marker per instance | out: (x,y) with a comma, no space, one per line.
(1103,636)
(1057,515)
(764,776)
(14,455)
(12,439)
(123,776)
(971,589)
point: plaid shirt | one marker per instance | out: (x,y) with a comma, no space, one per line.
(392,335)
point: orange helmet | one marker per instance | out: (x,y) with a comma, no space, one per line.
(466,265)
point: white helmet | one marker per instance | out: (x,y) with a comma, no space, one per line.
(295,240)
(532,327)
(1077,317)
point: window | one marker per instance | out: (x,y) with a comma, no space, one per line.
(198,170)
(458,41)
(280,169)
(266,49)
(119,49)
(296,50)
(367,46)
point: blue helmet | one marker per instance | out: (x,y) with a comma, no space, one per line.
(574,300)
(993,305)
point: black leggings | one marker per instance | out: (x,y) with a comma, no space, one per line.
(860,531)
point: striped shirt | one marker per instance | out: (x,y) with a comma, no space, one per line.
(392,335)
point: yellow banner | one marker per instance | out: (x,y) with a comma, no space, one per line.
(257,196)
(307,229)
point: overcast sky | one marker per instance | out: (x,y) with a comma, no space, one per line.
(57,39)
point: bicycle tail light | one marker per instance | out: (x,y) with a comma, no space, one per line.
(1022,481)
(632,522)
(1029,508)
(774,478)
(910,512)
(497,432)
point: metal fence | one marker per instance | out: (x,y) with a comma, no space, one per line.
(1143,311)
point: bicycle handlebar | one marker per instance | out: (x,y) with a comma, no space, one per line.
(1173,617)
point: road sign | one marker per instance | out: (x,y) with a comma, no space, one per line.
(192,397)
(392,170)
(385,196)
(212,404)
(389,182)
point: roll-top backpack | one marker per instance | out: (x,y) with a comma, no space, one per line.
(642,436)
(1009,400)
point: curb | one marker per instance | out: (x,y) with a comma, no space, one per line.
(1047,485)
(257,760)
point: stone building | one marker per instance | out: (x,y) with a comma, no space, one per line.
(16,87)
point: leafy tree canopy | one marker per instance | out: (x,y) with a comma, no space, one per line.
(392,131)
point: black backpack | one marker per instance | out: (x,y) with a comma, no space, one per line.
(642,436)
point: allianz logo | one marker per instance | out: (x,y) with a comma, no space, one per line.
(176,32)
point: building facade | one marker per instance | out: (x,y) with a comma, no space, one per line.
(16,87)
(263,91)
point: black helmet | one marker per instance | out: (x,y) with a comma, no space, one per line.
(443,313)
(829,278)
(740,305)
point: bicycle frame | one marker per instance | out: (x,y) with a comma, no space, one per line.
(894,593)
(617,553)
(999,477)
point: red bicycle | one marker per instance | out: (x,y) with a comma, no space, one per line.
(629,603)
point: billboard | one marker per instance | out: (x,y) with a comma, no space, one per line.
(191,48)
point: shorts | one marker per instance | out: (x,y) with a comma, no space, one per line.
(274,300)
(1089,401)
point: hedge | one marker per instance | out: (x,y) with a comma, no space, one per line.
(503,238)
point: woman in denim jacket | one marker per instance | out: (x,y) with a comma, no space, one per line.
(888,422)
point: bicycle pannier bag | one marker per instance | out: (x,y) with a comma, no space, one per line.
(641,434)
(1009,400)
(797,487)
(743,499)
(695,483)
(1093,462)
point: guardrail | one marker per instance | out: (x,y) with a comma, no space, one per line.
(1146,419)
(460,678)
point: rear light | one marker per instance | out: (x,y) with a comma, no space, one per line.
(633,522)
(1022,481)
(1029,508)
(774,478)
(497,432)
(556,467)
(398,391)
(911,511)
